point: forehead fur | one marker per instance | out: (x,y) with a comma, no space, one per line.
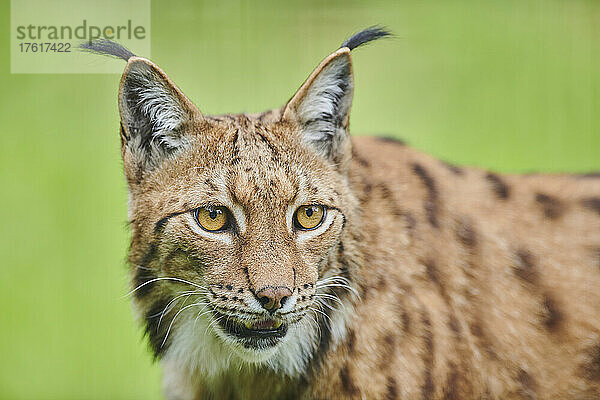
(253,159)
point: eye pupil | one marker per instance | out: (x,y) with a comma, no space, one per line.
(212,214)
(309,212)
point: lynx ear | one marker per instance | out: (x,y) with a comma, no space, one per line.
(322,104)
(154,113)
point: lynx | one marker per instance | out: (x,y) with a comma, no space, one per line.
(275,257)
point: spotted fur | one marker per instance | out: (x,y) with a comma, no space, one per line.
(425,281)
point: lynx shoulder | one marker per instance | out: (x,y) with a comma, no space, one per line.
(272,256)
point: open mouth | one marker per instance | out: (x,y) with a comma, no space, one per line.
(254,334)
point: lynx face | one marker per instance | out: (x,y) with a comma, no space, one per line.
(248,217)
(235,218)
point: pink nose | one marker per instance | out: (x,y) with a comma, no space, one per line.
(273,298)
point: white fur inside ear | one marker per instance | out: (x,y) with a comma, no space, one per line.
(325,107)
(153,114)
(162,109)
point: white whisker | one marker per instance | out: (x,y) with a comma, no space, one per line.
(174,318)
(164,278)
(165,311)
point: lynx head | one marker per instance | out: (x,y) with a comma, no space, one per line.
(237,220)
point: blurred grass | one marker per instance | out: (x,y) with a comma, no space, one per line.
(509,85)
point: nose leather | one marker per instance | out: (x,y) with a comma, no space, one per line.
(273,298)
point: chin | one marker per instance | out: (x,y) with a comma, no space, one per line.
(210,347)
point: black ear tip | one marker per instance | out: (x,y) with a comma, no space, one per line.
(365,36)
(106,47)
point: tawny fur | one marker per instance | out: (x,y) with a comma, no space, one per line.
(461,283)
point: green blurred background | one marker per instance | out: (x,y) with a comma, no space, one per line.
(509,85)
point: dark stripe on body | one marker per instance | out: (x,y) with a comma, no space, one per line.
(431,199)
(590,369)
(456,170)
(551,314)
(528,385)
(551,206)
(390,139)
(427,388)
(466,234)
(524,266)
(348,385)
(592,204)
(590,175)
(451,390)
(391,389)
(500,188)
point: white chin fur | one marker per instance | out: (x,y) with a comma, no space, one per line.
(209,353)
(199,353)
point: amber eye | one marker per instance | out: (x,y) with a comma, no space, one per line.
(309,217)
(212,218)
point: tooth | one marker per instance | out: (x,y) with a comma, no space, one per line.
(277,324)
(248,324)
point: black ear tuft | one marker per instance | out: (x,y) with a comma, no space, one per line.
(365,36)
(107,48)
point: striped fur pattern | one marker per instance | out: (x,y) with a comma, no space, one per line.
(424,280)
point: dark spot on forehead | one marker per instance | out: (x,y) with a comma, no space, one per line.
(270,145)
(499,187)
(210,185)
